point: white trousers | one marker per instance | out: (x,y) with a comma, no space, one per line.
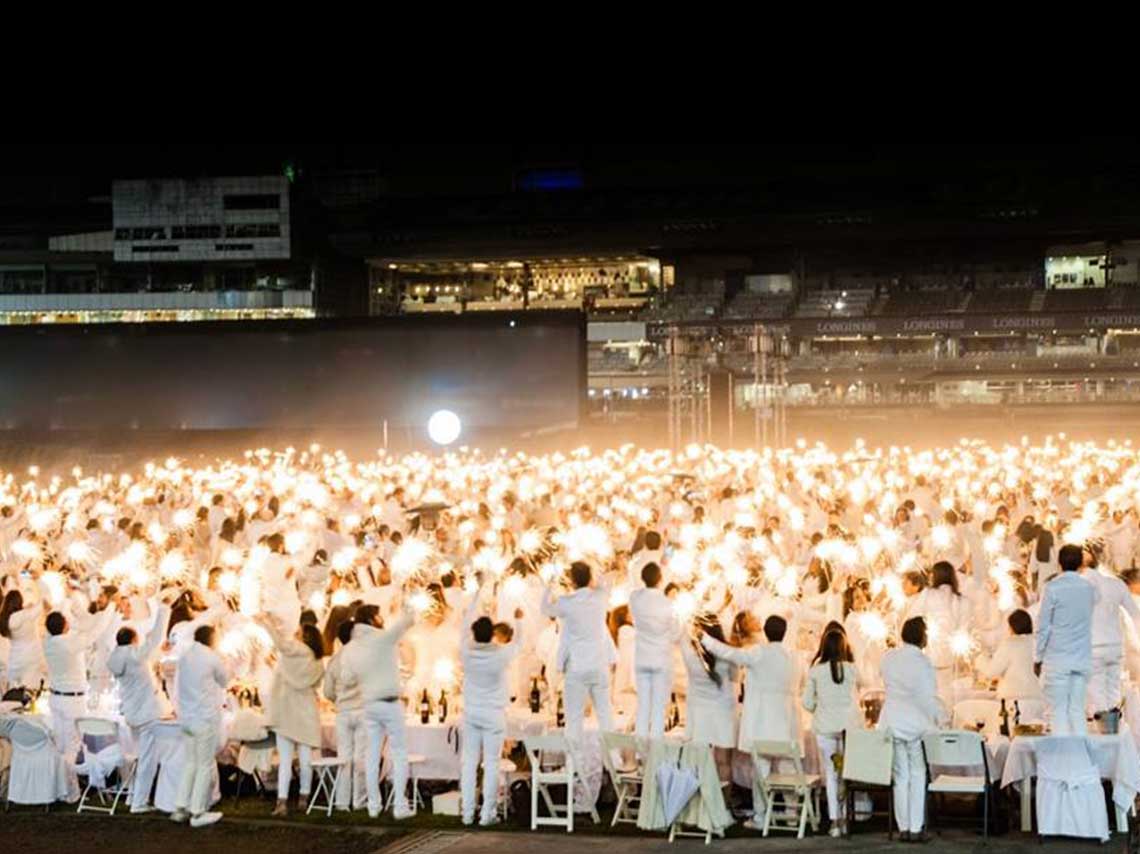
(1065,700)
(147,768)
(285,749)
(652,699)
(200,746)
(351,742)
(829,745)
(481,737)
(1104,680)
(386,719)
(596,684)
(909,771)
(64,712)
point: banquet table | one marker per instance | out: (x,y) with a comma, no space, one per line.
(1116,756)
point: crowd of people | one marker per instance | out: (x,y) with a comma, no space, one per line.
(767,594)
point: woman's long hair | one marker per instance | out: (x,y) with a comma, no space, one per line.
(943,573)
(337,615)
(311,637)
(13,602)
(1044,545)
(710,625)
(834,651)
(617,618)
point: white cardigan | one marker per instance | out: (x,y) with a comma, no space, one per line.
(834,708)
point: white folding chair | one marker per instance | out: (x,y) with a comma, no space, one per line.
(799,792)
(542,777)
(108,730)
(959,749)
(1070,799)
(867,757)
(327,770)
(969,713)
(38,774)
(415,760)
(626,774)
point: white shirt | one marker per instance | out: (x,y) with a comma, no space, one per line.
(911,706)
(585,644)
(371,658)
(131,666)
(200,685)
(655,629)
(834,707)
(1113,596)
(66,657)
(1064,626)
(1012,664)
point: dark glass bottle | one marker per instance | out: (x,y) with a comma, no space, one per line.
(425,708)
(560,715)
(535,697)
(1004,719)
(442,706)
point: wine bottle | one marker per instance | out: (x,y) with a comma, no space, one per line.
(535,697)
(442,706)
(1016,715)
(425,708)
(560,714)
(1004,729)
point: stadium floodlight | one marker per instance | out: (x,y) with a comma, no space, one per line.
(444,427)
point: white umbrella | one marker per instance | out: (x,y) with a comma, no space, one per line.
(675,786)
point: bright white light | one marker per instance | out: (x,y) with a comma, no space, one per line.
(444,427)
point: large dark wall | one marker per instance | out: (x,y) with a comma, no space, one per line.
(496,372)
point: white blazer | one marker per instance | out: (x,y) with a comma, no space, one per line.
(769,690)
(655,629)
(585,644)
(1064,625)
(911,707)
(1012,665)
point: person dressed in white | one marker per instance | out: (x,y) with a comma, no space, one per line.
(343,688)
(372,660)
(946,611)
(910,709)
(656,632)
(710,696)
(1012,666)
(132,666)
(1063,657)
(65,651)
(485,697)
(294,715)
(1113,597)
(20,624)
(586,649)
(200,690)
(831,695)
(769,696)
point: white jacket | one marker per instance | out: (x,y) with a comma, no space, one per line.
(1064,625)
(1113,596)
(834,707)
(585,644)
(655,629)
(371,658)
(341,687)
(769,690)
(133,671)
(911,707)
(200,685)
(1012,665)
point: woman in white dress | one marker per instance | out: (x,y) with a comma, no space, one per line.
(946,611)
(831,695)
(710,706)
(1012,667)
(20,624)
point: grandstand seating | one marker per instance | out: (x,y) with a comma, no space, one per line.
(1078,299)
(748,306)
(851,303)
(929,301)
(999,301)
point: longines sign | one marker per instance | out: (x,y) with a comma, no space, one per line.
(952,324)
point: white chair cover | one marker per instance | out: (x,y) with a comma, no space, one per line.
(1070,801)
(38,774)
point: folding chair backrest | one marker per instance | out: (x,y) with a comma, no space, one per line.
(867,755)
(967,714)
(1065,758)
(97,727)
(29,735)
(957,748)
(615,745)
(789,751)
(537,745)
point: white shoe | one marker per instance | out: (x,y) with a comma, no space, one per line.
(468,820)
(834,833)
(179,816)
(489,822)
(145,808)
(400,815)
(373,813)
(753,824)
(205,819)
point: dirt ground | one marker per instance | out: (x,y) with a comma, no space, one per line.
(61,833)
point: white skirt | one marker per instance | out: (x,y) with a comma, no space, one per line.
(709,722)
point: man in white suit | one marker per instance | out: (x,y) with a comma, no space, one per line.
(1113,596)
(586,650)
(1064,642)
(655,634)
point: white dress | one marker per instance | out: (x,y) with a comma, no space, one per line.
(710,711)
(26,657)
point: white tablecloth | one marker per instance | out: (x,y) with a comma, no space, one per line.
(1115,755)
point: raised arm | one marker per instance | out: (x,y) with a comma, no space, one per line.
(743,657)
